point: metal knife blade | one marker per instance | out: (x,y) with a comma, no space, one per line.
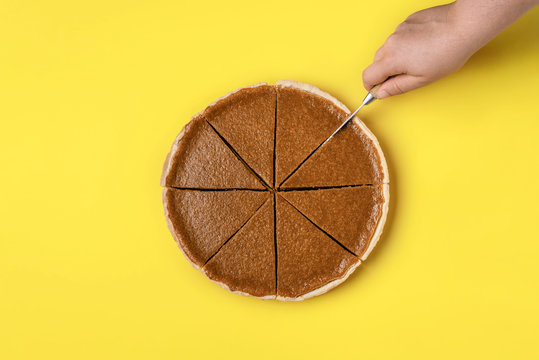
(367,100)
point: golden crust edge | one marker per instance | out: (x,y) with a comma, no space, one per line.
(170,155)
(174,150)
(377,146)
(312,89)
(381,222)
(232,93)
(172,229)
(226,287)
(324,288)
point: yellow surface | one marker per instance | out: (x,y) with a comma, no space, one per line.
(92,95)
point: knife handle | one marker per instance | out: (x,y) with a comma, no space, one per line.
(371,96)
(374,90)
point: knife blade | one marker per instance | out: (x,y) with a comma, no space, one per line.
(367,100)
(371,96)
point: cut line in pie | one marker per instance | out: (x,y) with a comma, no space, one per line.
(251,205)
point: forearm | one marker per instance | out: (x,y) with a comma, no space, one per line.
(479,21)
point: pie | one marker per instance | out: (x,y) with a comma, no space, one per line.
(204,220)
(262,209)
(246,120)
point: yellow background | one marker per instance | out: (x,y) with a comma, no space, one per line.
(92,95)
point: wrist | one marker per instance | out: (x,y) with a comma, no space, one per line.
(476,22)
(466,31)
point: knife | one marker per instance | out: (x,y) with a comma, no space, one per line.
(371,96)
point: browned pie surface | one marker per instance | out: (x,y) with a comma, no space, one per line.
(304,121)
(202,160)
(246,262)
(349,158)
(246,119)
(306,258)
(299,226)
(203,220)
(349,214)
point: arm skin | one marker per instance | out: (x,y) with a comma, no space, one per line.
(436,42)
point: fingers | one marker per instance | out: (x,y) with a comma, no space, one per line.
(398,85)
(379,54)
(378,72)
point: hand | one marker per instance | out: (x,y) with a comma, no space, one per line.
(423,49)
(436,42)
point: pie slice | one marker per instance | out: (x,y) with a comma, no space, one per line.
(305,118)
(200,159)
(201,221)
(246,120)
(350,157)
(351,215)
(309,262)
(246,263)
(252,205)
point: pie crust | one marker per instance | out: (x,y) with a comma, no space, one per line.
(216,272)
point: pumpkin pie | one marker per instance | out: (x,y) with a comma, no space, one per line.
(350,157)
(200,159)
(350,214)
(246,119)
(246,262)
(304,120)
(256,203)
(201,221)
(309,262)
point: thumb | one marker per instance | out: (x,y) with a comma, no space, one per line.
(397,85)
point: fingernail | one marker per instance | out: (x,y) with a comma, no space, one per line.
(382,94)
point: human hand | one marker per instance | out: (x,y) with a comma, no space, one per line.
(436,42)
(424,48)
